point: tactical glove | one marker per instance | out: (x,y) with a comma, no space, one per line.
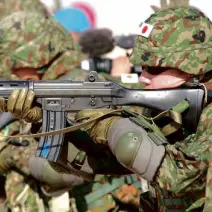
(98,130)
(19,104)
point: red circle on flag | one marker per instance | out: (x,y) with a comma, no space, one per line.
(144,29)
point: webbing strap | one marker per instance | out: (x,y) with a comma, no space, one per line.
(170,128)
(176,115)
(64,130)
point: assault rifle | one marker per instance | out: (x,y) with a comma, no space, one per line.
(60,97)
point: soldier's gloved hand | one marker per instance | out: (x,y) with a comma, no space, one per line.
(19,104)
(97,130)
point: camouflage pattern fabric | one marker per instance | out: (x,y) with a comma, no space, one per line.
(43,45)
(11,6)
(186,166)
(108,194)
(164,4)
(181,38)
(29,38)
(167,201)
(22,192)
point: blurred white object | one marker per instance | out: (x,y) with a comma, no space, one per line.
(144,185)
(60,203)
(85,65)
(129,78)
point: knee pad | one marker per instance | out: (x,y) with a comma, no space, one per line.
(134,149)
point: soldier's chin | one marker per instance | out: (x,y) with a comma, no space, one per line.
(165,86)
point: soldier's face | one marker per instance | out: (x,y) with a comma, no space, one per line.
(26,73)
(159,78)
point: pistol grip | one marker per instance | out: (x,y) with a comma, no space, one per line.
(50,147)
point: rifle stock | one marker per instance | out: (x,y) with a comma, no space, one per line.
(60,97)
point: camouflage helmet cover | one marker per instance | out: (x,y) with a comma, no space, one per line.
(31,39)
(181,38)
(10,6)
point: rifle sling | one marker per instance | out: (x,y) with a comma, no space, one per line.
(168,129)
(64,130)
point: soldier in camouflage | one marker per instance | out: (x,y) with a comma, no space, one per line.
(177,51)
(177,151)
(34,114)
(22,192)
(48,56)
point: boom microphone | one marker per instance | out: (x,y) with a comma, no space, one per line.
(96,42)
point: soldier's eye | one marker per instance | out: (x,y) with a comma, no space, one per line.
(154,70)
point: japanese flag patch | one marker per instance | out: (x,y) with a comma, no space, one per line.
(129,78)
(145,30)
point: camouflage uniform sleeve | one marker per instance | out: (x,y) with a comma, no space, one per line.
(186,167)
(22,191)
(15,156)
(23,194)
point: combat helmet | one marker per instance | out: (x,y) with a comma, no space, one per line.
(181,38)
(32,39)
(10,6)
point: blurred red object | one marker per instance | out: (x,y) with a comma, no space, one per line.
(88,10)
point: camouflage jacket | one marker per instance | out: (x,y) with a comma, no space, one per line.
(186,170)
